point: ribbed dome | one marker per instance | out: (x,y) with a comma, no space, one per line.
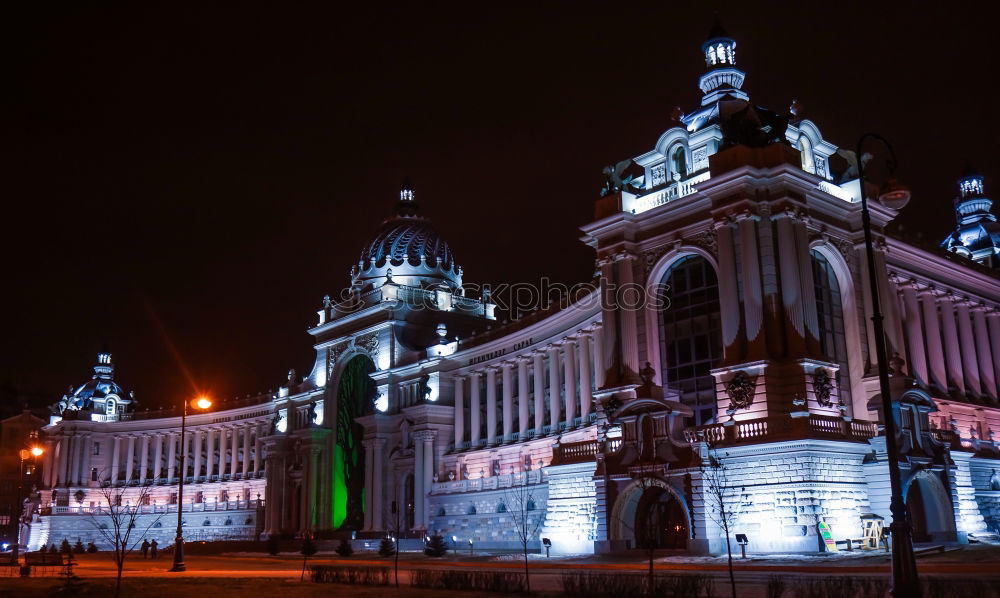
(407,250)
(406,237)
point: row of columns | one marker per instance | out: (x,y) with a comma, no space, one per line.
(141,456)
(953,343)
(572,365)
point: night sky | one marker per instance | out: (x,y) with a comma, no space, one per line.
(189,180)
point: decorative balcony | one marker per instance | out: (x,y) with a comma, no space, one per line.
(774,429)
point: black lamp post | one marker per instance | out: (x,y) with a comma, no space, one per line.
(201,403)
(904,566)
(33,452)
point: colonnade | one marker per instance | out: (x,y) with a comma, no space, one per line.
(561,376)
(953,342)
(217,452)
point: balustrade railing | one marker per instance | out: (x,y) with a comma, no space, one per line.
(784,427)
(227,505)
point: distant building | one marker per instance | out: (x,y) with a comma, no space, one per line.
(730,323)
(20,472)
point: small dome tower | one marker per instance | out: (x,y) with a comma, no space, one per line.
(977,235)
(100,396)
(722,78)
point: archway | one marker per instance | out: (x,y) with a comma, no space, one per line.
(929,509)
(648,513)
(355,392)
(660,521)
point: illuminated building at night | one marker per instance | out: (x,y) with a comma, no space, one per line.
(730,321)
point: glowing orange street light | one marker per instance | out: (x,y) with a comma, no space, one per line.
(202,403)
(37,451)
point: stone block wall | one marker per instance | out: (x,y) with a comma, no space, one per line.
(571,514)
(780,492)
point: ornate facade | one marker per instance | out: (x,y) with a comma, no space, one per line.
(729,324)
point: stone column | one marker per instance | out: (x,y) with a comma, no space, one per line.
(508,400)
(246,451)
(74,475)
(809,314)
(791,289)
(258,446)
(60,476)
(143,457)
(993,323)
(234,459)
(753,300)
(369,481)
(969,362)
(984,353)
(377,504)
(491,405)
(629,294)
(87,458)
(599,367)
(428,471)
(459,412)
(157,457)
(209,454)
(474,410)
(729,300)
(915,334)
(311,506)
(129,458)
(538,368)
(952,349)
(171,457)
(554,409)
(522,397)
(196,454)
(49,463)
(569,383)
(115,459)
(418,482)
(183,453)
(586,396)
(932,327)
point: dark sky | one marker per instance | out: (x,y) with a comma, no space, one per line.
(206,173)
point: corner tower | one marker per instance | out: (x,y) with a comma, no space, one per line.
(977,234)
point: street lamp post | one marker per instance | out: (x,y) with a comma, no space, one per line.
(32,453)
(904,566)
(200,403)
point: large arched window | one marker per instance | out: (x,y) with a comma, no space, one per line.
(829,309)
(690,334)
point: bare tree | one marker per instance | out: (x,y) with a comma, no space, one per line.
(394,521)
(722,499)
(646,475)
(117,522)
(519,500)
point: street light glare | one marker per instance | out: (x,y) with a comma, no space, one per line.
(202,403)
(37,451)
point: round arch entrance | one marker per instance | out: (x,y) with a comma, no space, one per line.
(649,515)
(929,509)
(355,392)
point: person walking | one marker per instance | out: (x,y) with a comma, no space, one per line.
(152,549)
(145,548)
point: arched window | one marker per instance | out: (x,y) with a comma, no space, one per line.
(829,309)
(678,162)
(690,334)
(109,407)
(808,159)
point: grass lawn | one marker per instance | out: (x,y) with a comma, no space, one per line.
(231,587)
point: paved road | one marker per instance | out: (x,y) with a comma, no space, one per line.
(546,574)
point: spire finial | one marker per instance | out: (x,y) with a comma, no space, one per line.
(407,205)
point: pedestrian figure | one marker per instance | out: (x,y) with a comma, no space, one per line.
(152,549)
(145,548)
